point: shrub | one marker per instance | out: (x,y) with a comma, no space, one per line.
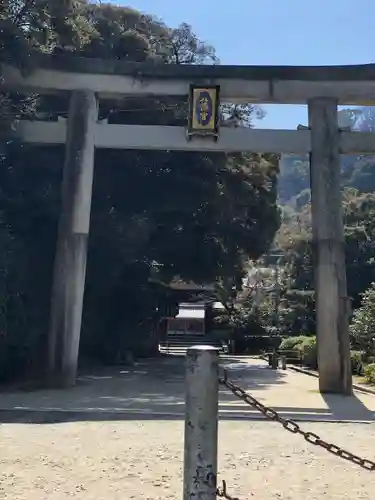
(356,358)
(369,372)
(309,350)
(307,345)
(292,342)
(362,326)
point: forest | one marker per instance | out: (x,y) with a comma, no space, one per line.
(156,216)
(159,217)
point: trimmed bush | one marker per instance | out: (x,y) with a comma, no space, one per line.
(362,326)
(307,345)
(309,350)
(356,358)
(292,342)
(369,372)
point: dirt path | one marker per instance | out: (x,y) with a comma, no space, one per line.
(139,455)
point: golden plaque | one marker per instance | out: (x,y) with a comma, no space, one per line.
(204,110)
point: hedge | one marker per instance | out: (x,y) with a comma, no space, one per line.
(293,342)
(369,372)
(361,365)
(307,345)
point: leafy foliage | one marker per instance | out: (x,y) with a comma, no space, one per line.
(369,372)
(155,215)
(357,362)
(362,328)
(306,345)
(292,342)
(294,239)
(357,171)
(309,352)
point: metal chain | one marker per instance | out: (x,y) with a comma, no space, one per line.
(293,427)
(222,492)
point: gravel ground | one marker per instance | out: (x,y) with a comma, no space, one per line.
(143,459)
(138,455)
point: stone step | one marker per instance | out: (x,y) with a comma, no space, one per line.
(189,344)
(182,347)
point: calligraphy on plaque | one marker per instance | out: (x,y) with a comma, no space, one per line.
(204,110)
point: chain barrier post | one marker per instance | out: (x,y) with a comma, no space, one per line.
(275,360)
(201,423)
(270,357)
(283,362)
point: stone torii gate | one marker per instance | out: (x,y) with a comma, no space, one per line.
(89,80)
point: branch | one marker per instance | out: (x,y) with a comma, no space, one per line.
(27,5)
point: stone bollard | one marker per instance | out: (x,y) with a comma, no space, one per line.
(275,361)
(201,423)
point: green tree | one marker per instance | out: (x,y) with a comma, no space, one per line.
(294,177)
(357,171)
(294,239)
(155,215)
(362,327)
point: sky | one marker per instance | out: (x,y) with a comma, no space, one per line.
(276,32)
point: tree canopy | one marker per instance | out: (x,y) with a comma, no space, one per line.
(155,215)
(357,171)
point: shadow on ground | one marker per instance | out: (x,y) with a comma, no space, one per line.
(155,389)
(349,407)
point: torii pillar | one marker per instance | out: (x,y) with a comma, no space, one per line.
(332,314)
(71,253)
